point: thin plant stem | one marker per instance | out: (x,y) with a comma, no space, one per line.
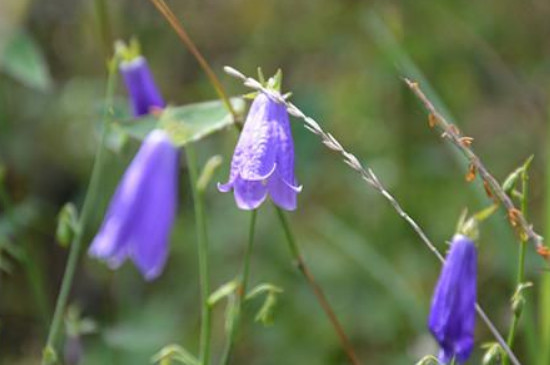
(368,176)
(204,270)
(86,213)
(178,27)
(521,263)
(104,26)
(241,293)
(321,298)
(248,255)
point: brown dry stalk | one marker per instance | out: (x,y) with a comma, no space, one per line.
(451,133)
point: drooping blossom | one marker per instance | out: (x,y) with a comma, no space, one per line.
(263,161)
(139,81)
(452,314)
(142,211)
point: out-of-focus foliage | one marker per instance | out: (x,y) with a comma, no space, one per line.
(487,62)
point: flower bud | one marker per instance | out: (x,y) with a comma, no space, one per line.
(518,302)
(493,355)
(452,314)
(66,224)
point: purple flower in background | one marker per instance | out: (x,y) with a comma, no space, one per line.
(141,213)
(263,161)
(140,84)
(452,315)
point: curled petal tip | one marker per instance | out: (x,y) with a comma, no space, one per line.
(297,189)
(254,176)
(225,188)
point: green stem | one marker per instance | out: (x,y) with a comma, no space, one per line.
(320,296)
(204,271)
(520,278)
(104,27)
(86,212)
(241,295)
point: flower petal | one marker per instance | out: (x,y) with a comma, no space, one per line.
(249,194)
(141,86)
(142,211)
(285,144)
(150,236)
(452,315)
(281,193)
(257,144)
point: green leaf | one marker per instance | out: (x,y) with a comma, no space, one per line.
(23,60)
(188,123)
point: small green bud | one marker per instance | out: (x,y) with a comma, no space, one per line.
(510,183)
(49,355)
(517,305)
(208,171)
(275,82)
(266,313)
(493,355)
(518,299)
(428,360)
(66,224)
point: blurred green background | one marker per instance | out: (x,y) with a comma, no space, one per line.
(487,62)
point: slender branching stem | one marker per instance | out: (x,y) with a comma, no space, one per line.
(521,264)
(236,314)
(204,270)
(451,133)
(86,213)
(321,298)
(369,177)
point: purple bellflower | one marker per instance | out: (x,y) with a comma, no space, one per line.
(263,161)
(142,211)
(141,86)
(452,314)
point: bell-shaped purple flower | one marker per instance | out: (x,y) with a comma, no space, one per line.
(142,211)
(452,314)
(263,161)
(141,86)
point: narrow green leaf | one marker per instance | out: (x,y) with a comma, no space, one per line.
(24,61)
(185,124)
(222,292)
